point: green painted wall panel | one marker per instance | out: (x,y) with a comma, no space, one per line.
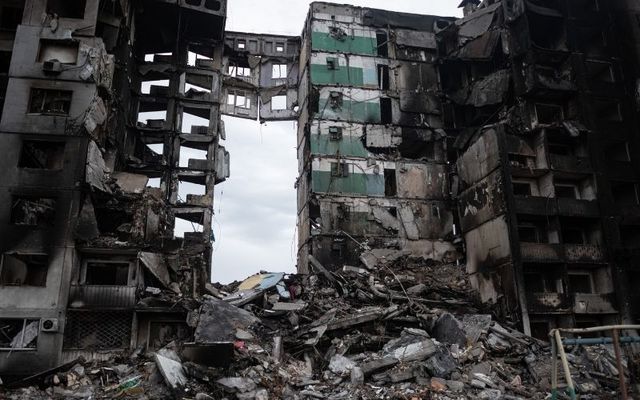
(365,184)
(351,110)
(356,44)
(321,75)
(347,146)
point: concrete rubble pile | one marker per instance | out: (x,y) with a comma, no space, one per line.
(395,327)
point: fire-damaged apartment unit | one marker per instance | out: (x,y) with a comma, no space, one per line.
(506,140)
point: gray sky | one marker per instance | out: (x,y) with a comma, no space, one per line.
(255,209)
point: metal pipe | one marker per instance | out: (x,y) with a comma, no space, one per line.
(598,328)
(616,348)
(600,340)
(554,368)
(565,365)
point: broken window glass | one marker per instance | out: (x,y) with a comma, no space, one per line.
(335,133)
(49,101)
(335,100)
(19,334)
(41,154)
(67,8)
(33,211)
(24,269)
(339,169)
(106,273)
(332,63)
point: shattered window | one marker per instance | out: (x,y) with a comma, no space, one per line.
(24,269)
(41,155)
(19,334)
(279,71)
(67,8)
(340,169)
(335,133)
(332,63)
(33,211)
(239,71)
(48,101)
(106,273)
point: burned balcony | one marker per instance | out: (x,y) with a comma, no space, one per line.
(545,288)
(105,283)
(592,290)
(547,25)
(545,253)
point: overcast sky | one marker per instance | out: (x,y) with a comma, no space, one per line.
(255,209)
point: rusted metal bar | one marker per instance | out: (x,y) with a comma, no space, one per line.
(616,348)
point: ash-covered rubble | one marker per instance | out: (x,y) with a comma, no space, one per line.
(395,327)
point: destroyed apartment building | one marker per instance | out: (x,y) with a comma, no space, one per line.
(503,142)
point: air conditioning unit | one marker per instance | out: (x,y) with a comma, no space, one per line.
(49,325)
(52,67)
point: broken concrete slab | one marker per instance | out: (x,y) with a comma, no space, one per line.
(410,346)
(448,329)
(170,368)
(219,320)
(156,265)
(237,384)
(131,183)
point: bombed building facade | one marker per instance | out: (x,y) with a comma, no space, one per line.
(505,141)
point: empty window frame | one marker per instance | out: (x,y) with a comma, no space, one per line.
(237,71)
(279,47)
(618,151)
(106,273)
(386,111)
(33,211)
(574,235)
(241,44)
(625,193)
(238,99)
(339,169)
(608,110)
(600,71)
(20,269)
(10,17)
(279,71)
(383,77)
(529,232)
(335,133)
(64,51)
(521,188)
(580,282)
(40,154)
(542,278)
(213,5)
(390,183)
(332,64)
(566,190)
(19,334)
(278,103)
(67,8)
(50,101)
(382,42)
(548,113)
